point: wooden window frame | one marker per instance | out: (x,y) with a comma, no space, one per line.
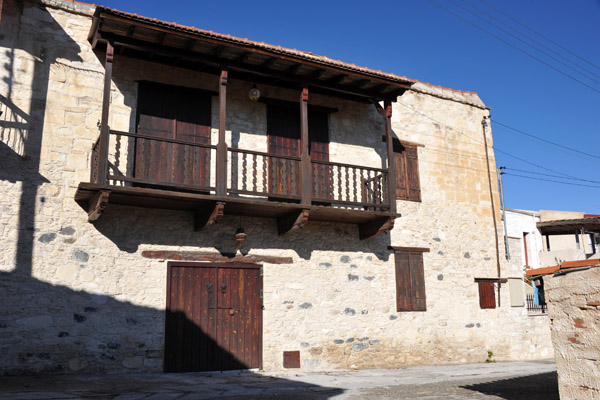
(410,279)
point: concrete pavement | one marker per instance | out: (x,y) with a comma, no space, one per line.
(511,380)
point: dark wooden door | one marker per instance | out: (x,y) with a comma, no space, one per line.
(178,113)
(283,131)
(318,134)
(213,318)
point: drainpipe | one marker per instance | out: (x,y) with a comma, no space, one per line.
(487,161)
(502,207)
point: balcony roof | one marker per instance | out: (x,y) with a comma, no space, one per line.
(569,226)
(188,47)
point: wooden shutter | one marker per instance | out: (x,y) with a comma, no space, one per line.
(487,298)
(406,167)
(412,172)
(400,170)
(410,281)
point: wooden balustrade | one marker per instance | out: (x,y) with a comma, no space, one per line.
(349,185)
(264,174)
(141,160)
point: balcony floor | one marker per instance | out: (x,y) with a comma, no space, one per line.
(370,222)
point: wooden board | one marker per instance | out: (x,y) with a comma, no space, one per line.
(176,113)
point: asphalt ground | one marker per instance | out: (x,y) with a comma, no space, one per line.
(508,380)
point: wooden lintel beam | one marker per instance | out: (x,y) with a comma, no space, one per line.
(208,215)
(376,227)
(97,204)
(292,221)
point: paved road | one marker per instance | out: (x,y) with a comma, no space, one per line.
(514,381)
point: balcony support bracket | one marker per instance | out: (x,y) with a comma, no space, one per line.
(292,221)
(377,227)
(208,215)
(97,204)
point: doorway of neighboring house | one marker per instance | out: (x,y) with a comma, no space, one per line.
(283,133)
(213,317)
(182,115)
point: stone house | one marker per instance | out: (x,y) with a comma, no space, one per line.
(175,199)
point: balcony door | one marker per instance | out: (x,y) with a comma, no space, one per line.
(178,113)
(283,131)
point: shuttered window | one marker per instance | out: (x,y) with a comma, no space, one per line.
(410,281)
(487,297)
(406,166)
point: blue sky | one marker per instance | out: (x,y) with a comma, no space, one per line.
(420,40)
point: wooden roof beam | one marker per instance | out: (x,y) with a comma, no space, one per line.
(330,84)
(218,51)
(243,57)
(293,69)
(103,13)
(267,64)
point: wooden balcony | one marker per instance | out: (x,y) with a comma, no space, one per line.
(138,169)
(147,171)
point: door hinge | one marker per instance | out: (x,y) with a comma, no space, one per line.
(261,294)
(262,271)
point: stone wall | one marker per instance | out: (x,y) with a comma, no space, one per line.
(81,297)
(573,306)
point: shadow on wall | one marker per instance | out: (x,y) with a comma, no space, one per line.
(130,227)
(532,387)
(22,130)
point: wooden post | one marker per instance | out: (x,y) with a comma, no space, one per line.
(221,173)
(390,156)
(104,129)
(305,166)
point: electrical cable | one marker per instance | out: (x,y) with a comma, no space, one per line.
(540,35)
(553,176)
(545,140)
(550,180)
(496,149)
(534,41)
(515,47)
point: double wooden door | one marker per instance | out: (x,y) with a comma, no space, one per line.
(182,115)
(214,317)
(283,130)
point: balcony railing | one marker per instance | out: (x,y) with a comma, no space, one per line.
(532,308)
(141,160)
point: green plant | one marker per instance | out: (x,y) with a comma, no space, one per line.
(490,357)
